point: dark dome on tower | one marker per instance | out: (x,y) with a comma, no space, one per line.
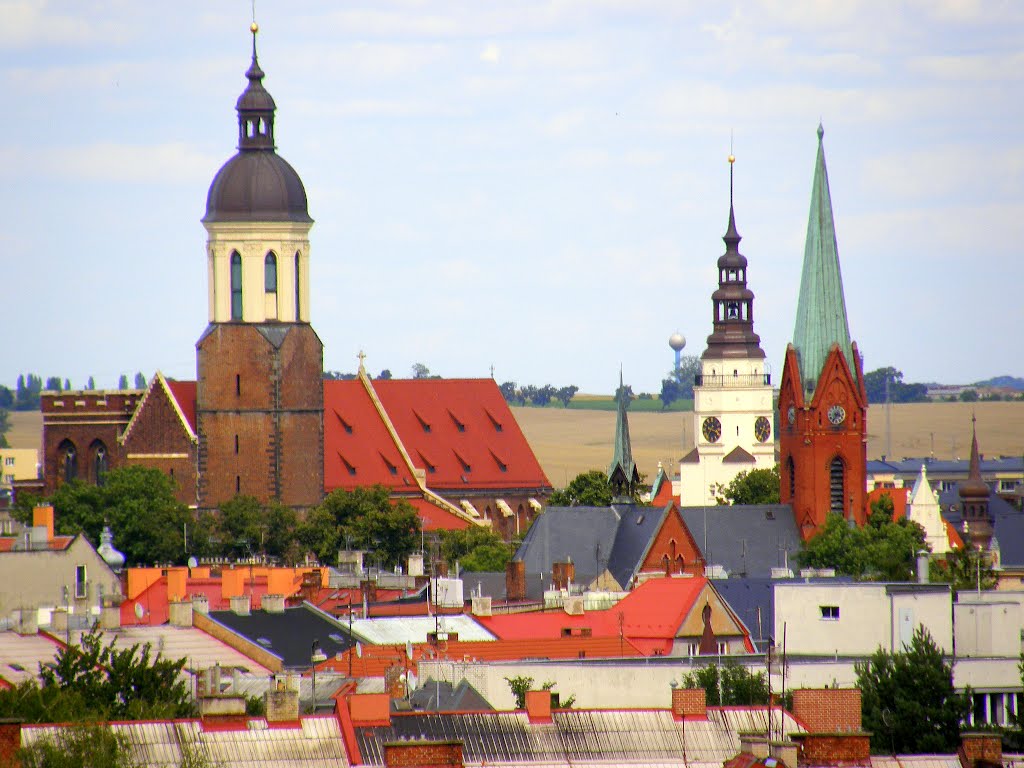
(256,184)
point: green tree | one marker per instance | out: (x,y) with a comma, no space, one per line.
(757,486)
(91,383)
(508,391)
(587,489)
(67,385)
(122,381)
(53,384)
(5,425)
(240,527)
(365,518)
(140,381)
(882,549)
(420,371)
(969,396)
(964,569)
(476,548)
(80,746)
(282,524)
(729,685)
(908,700)
(566,394)
(543,395)
(139,504)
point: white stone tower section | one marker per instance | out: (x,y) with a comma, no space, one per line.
(923,509)
(732,396)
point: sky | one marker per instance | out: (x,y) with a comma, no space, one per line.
(537,186)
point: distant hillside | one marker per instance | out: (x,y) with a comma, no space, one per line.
(1012,382)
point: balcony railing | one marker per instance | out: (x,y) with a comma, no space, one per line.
(746,380)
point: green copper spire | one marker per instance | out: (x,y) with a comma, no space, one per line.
(821,308)
(623,475)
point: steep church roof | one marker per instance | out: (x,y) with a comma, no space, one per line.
(622,473)
(821,307)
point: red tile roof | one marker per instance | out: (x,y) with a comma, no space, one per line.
(377,659)
(434,518)
(460,432)
(185,394)
(155,603)
(59,543)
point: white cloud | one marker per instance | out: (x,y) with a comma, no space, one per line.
(108,162)
(491,54)
(28,23)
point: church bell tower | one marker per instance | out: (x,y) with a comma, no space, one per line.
(259,399)
(732,395)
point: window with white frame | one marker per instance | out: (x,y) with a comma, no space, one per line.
(80,582)
(829,612)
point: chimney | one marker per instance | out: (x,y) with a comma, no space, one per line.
(786,752)
(368,588)
(110,617)
(415,565)
(368,709)
(563,574)
(515,581)
(180,613)
(423,754)
(42,516)
(28,622)
(689,702)
(282,702)
(538,706)
(481,606)
(273,603)
(177,583)
(980,749)
(240,605)
(10,740)
(756,744)
(200,604)
(834,736)
(922,567)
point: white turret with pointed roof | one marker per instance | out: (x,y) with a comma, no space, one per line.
(923,509)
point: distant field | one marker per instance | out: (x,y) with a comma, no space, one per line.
(568,442)
(583,402)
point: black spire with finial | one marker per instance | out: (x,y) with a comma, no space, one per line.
(733,303)
(255,107)
(974,498)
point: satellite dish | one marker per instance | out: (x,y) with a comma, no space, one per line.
(138,611)
(192,562)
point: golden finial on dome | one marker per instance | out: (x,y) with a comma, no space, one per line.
(732,159)
(254,27)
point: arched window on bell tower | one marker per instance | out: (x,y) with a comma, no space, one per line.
(100,462)
(270,285)
(836,485)
(236,286)
(68,462)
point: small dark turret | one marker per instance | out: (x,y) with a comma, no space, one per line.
(974,496)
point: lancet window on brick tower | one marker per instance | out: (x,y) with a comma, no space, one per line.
(99,462)
(68,460)
(837,478)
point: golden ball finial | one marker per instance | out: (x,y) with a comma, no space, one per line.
(254,27)
(732,159)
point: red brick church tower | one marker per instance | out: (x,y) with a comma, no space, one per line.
(822,401)
(259,394)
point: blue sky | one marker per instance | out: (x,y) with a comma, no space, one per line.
(541,186)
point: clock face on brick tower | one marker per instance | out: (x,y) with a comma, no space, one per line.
(836,415)
(762,429)
(712,429)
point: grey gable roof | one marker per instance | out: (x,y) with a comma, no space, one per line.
(638,525)
(1007,524)
(744,539)
(579,533)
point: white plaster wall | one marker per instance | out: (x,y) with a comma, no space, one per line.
(987,628)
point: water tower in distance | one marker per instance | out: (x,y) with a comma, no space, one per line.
(677,341)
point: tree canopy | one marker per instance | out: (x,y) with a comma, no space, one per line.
(587,489)
(729,685)
(908,701)
(678,384)
(138,503)
(882,549)
(757,486)
(963,568)
(476,548)
(875,383)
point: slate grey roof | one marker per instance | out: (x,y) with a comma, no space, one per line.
(580,533)
(1007,528)
(615,538)
(745,539)
(436,696)
(638,525)
(290,635)
(911,466)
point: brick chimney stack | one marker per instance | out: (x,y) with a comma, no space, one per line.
(563,574)
(834,735)
(515,581)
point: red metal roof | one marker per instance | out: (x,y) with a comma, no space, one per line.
(185,394)
(434,518)
(59,543)
(460,432)
(155,603)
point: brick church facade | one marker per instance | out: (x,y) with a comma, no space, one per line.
(253,422)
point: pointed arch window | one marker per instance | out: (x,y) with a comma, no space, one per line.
(100,462)
(236,286)
(270,273)
(298,282)
(791,472)
(68,461)
(836,485)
